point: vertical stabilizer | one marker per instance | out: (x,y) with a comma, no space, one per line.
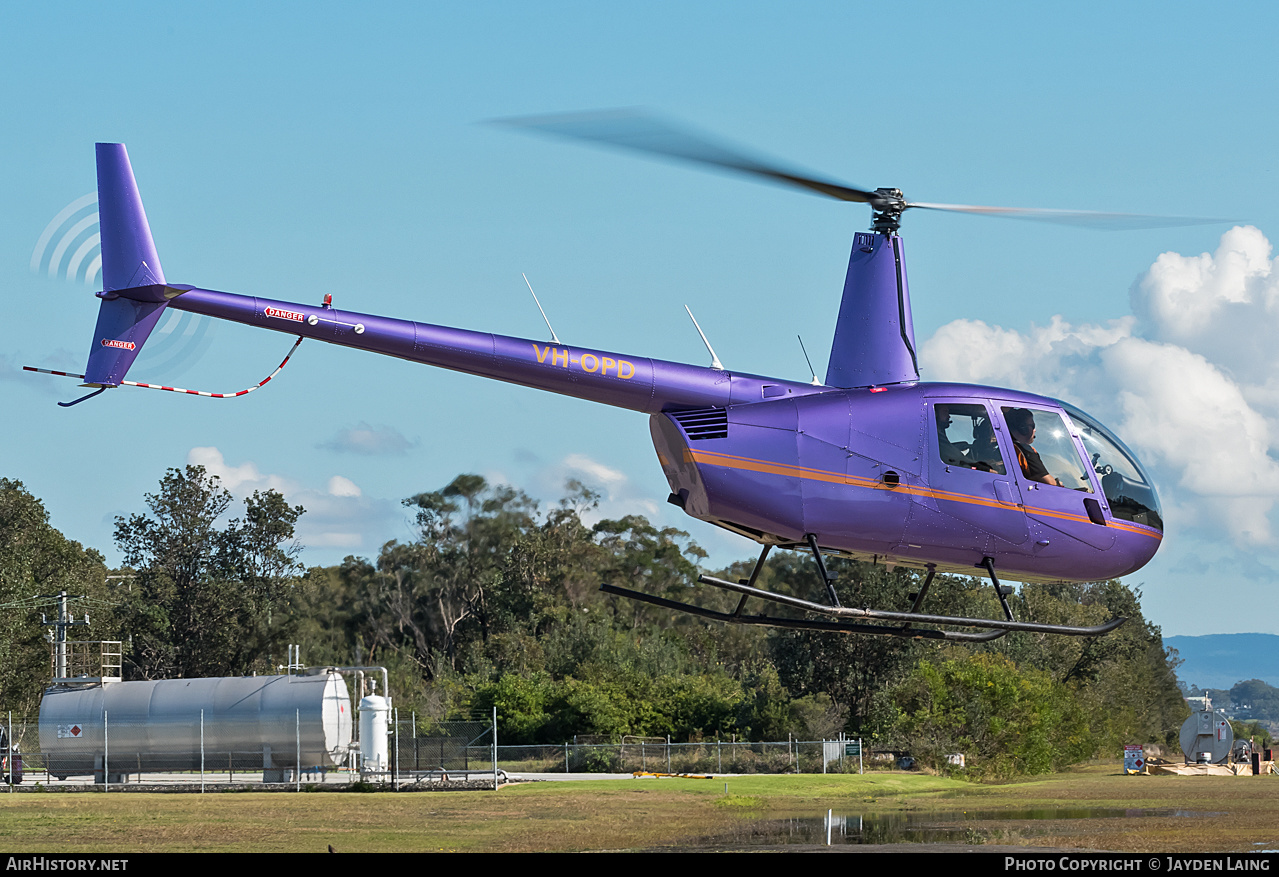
(129,260)
(875,335)
(128,253)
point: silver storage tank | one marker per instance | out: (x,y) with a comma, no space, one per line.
(375,721)
(1207,738)
(250,723)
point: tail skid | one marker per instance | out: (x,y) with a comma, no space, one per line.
(245,392)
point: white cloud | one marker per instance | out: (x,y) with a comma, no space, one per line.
(241,480)
(591,471)
(339,486)
(1186,297)
(370,441)
(338,515)
(1190,381)
(618,494)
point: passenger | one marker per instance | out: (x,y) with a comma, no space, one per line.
(985,449)
(1021,425)
(952,453)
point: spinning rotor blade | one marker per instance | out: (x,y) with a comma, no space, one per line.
(637,131)
(640,132)
(1078,218)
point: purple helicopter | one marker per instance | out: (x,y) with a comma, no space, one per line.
(872,464)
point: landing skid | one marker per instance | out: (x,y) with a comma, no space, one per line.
(992,628)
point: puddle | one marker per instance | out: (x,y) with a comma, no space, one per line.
(936,826)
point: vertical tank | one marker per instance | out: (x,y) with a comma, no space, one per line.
(249,723)
(375,714)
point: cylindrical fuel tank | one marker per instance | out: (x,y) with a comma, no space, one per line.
(249,723)
(1207,737)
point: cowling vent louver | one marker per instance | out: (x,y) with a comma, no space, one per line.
(703,423)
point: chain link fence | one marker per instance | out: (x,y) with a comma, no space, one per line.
(286,754)
(658,756)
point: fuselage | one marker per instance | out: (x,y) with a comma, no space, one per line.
(919,474)
(872,473)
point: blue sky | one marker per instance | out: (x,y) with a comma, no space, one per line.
(293,150)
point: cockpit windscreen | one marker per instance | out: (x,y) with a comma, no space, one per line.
(1128,489)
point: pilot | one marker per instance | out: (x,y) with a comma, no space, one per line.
(1021,425)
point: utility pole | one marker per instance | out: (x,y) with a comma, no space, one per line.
(59,635)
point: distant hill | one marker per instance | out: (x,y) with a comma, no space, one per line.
(1220,660)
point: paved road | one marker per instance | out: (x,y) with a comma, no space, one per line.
(552,777)
(331,778)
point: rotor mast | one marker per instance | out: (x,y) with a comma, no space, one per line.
(874,342)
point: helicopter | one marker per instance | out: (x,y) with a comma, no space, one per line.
(871,463)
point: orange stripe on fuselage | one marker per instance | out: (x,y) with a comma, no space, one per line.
(747,464)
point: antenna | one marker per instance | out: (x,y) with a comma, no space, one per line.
(539,307)
(814,381)
(715,363)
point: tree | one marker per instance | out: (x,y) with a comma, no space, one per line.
(851,668)
(207,600)
(1255,699)
(1126,679)
(427,599)
(35,559)
(1007,720)
(1254,731)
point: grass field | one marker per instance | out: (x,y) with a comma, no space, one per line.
(1229,814)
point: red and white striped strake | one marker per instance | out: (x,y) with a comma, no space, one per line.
(261,383)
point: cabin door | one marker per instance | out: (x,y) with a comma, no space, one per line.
(972,502)
(1056,486)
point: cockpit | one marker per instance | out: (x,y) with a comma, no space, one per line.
(1127,487)
(1041,445)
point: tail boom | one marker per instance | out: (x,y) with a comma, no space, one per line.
(621,380)
(135,295)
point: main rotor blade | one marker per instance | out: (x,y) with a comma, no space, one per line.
(1081,218)
(640,132)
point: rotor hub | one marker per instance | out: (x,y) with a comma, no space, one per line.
(887,205)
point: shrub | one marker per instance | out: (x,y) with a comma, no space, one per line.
(1005,720)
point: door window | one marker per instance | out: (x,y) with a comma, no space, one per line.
(966,437)
(1045,449)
